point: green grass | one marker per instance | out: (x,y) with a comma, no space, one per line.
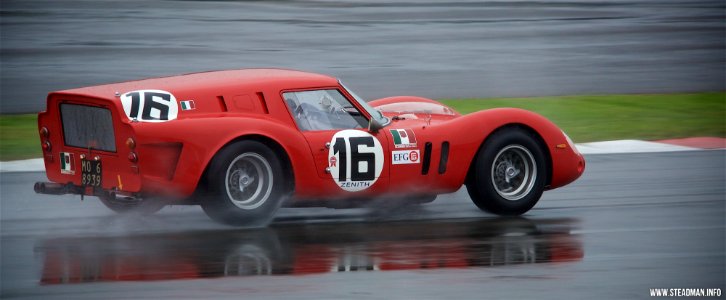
(584,118)
(19,138)
(612,117)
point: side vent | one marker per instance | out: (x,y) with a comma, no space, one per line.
(426,159)
(222,104)
(263,103)
(444,157)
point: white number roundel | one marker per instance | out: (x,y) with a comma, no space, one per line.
(150,105)
(355,159)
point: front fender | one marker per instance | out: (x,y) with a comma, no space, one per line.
(414,105)
(469,132)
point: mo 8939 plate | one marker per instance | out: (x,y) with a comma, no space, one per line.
(91,173)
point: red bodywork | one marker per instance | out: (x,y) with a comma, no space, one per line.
(238,104)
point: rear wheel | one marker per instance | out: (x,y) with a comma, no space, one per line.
(508,175)
(246,185)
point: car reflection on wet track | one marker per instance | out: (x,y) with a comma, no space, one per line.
(296,249)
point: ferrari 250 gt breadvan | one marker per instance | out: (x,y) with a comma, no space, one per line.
(242,143)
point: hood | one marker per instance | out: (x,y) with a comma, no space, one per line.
(411,108)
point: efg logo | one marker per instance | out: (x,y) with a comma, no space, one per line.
(401,157)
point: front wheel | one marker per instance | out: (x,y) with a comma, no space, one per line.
(245,185)
(508,174)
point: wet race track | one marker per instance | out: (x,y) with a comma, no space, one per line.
(631,223)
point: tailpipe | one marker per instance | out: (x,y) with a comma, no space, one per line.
(50,188)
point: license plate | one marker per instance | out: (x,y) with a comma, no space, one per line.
(91,173)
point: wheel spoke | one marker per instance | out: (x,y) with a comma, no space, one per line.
(249,181)
(513,172)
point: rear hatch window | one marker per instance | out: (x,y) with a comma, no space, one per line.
(88,127)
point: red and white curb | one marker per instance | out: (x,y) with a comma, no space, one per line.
(25,165)
(608,147)
(630,146)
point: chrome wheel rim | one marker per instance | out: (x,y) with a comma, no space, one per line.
(514,172)
(249,181)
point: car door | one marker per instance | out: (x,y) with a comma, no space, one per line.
(348,157)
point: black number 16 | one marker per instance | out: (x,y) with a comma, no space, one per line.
(356,158)
(149,103)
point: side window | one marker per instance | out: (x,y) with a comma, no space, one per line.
(323,110)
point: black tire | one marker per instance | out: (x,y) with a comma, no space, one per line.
(241,165)
(508,174)
(122,205)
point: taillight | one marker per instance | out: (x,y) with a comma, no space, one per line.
(44,132)
(131,143)
(46,146)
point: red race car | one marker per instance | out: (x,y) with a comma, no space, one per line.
(242,143)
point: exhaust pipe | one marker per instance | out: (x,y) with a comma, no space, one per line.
(50,188)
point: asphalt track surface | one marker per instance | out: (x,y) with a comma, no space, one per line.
(380,48)
(631,223)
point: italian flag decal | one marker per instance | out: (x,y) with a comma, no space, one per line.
(67,164)
(187,105)
(403,138)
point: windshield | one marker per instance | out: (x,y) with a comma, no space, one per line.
(376,114)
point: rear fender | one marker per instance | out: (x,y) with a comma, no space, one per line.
(202,138)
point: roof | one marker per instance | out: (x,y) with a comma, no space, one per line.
(237,79)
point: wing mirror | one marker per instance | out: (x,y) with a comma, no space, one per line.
(374,126)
